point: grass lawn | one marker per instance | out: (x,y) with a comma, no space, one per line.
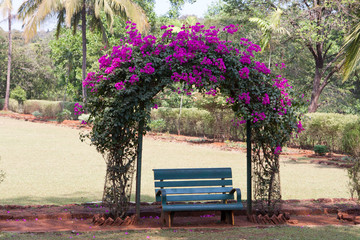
(47,164)
(328,233)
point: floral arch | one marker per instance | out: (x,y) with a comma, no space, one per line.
(122,92)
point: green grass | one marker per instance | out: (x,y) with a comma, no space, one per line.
(328,233)
(47,164)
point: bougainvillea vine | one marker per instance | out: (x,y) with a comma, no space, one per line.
(123,89)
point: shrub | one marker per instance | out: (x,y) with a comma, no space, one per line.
(64,115)
(47,108)
(157,125)
(320,149)
(354,178)
(18,94)
(351,139)
(37,114)
(197,122)
(70,107)
(13,105)
(324,129)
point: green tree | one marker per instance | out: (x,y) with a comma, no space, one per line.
(6,7)
(268,28)
(72,12)
(318,26)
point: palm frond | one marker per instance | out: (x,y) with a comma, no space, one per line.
(134,12)
(33,15)
(96,23)
(60,21)
(263,25)
(72,8)
(75,22)
(351,51)
(5,6)
(28,8)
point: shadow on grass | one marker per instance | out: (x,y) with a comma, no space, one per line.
(77,197)
(74,198)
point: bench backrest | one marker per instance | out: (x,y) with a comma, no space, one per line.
(194,184)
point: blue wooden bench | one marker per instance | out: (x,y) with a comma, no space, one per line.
(173,187)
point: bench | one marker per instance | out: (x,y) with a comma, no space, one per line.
(173,187)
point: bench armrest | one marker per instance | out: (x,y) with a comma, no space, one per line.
(162,193)
(238,194)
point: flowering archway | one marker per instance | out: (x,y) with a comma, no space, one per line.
(122,92)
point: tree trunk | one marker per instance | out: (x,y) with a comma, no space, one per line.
(83,31)
(7,94)
(316,91)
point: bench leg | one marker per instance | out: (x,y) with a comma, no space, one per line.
(223,216)
(162,219)
(167,218)
(227,217)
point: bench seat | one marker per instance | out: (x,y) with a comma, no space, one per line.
(173,187)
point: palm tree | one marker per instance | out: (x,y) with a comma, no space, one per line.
(351,52)
(6,7)
(268,27)
(71,12)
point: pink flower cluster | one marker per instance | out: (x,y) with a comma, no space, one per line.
(211,92)
(245,97)
(300,127)
(278,150)
(244,73)
(258,116)
(261,67)
(78,109)
(238,122)
(120,85)
(266,99)
(148,69)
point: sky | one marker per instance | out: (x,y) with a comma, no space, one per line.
(161,7)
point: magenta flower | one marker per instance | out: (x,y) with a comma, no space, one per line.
(155,106)
(132,69)
(230,100)
(133,79)
(77,109)
(244,73)
(245,59)
(120,85)
(300,127)
(278,150)
(148,69)
(246,97)
(266,99)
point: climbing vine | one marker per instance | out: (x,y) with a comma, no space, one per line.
(123,90)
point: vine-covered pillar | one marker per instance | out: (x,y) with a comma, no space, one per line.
(138,165)
(249,168)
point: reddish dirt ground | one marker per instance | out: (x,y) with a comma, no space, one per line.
(75,217)
(79,217)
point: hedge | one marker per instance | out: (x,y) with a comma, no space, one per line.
(13,105)
(324,129)
(327,129)
(48,108)
(197,122)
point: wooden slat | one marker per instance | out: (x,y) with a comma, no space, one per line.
(193,183)
(204,197)
(192,173)
(196,190)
